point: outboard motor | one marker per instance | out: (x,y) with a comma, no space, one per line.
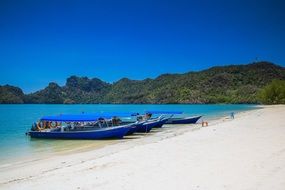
(34,127)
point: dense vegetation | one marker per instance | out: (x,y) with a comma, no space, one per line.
(11,95)
(273,93)
(227,84)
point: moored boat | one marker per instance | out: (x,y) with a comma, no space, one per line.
(161,122)
(82,126)
(149,124)
(176,120)
(104,133)
(135,128)
(185,120)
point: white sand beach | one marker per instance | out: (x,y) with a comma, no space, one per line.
(247,152)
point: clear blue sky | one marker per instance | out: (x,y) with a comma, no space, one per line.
(43,41)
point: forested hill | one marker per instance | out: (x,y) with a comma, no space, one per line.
(227,84)
(11,95)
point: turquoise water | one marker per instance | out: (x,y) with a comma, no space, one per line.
(15,120)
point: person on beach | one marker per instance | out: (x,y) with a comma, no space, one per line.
(232,115)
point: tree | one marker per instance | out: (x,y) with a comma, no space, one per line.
(273,93)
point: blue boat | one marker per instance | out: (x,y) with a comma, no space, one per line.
(135,128)
(104,133)
(146,126)
(185,120)
(149,124)
(82,126)
(161,122)
(174,120)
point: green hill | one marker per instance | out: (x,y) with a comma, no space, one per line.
(226,84)
(11,95)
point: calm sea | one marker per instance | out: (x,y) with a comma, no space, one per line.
(15,120)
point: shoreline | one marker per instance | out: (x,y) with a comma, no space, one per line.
(174,131)
(82,146)
(136,139)
(111,158)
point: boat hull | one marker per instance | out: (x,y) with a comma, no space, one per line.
(161,123)
(135,128)
(106,133)
(147,126)
(190,120)
(132,130)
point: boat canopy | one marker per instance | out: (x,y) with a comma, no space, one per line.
(119,114)
(71,118)
(164,112)
(86,117)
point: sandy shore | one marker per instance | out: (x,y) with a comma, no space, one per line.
(245,153)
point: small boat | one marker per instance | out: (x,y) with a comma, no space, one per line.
(161,123)
(174,120)
(146,127)
(82,126)
(104,133)
(185,120)
(151,123)
(134,128)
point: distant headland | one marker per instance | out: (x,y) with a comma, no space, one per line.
(226,84)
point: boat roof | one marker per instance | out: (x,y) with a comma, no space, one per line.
(119,114)
(164,112)
(86,117)
(71,118)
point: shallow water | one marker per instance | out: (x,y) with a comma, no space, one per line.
(15,120)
